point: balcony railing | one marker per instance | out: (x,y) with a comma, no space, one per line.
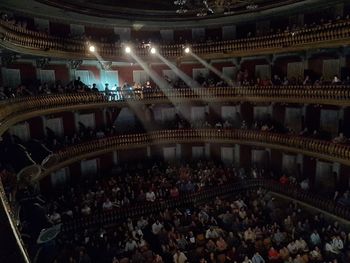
(20,109)
(314,37)
(203,197)
(287,143)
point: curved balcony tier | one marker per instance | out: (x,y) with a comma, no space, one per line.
(35,43)
(19,109)
(286,143)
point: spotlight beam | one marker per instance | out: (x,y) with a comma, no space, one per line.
(189,81)
(167,89)
(211,68)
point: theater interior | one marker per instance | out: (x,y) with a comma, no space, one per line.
(156,131)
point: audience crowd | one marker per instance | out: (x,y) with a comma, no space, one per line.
(251,227)
(139,90)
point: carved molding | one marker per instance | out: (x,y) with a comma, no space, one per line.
(75,64)
(7,60)
(42,63)
(107,65)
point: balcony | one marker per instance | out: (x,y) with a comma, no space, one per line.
(35,43)
(19,109)
(286,143)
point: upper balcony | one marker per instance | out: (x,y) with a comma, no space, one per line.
(34,43)
(20,109)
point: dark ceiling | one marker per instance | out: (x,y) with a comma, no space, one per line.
(164,9)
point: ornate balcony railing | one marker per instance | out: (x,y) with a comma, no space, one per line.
(20,109)
(203,197)
(288,143)
(320,36)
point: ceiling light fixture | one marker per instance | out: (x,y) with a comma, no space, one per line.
(128,50)
(153,50)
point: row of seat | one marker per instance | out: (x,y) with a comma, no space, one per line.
(203,197)
(32,39)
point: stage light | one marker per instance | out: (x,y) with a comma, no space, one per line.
(187,50)
(92,48)
(153,50)
(128,50)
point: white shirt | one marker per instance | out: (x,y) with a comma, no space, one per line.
(150,196)
(292,248)
(211,234)
(86,210)
(131,245)
(179,257)
(337,245)
(156,228)
(107,205)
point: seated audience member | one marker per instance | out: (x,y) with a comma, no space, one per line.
(341,139)
(246,260)
(284,253)
(257,258)
(278,238)
(156,227)
(315,255)
(211,233)
(150,196)
(107,205)
(292,247)
(218,125)
(227,124)
(221,244)
(337,244)
(299,259)
(179,257)
(284,180)
(130,245)
(86,210)
(55,218)
(273,255)
(315,238)
(336,80)
(249,235)
(304,185)
(301,245)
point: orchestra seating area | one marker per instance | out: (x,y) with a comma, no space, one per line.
(200,211)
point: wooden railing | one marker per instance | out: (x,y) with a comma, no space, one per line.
(203,197)
(20,109)
(286,143)
(282,42)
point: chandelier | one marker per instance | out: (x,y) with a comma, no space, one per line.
(181,5)
(210,7)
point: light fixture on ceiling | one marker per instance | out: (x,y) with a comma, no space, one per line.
(187,50)
(153,50)
(92,48)
(127,50)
